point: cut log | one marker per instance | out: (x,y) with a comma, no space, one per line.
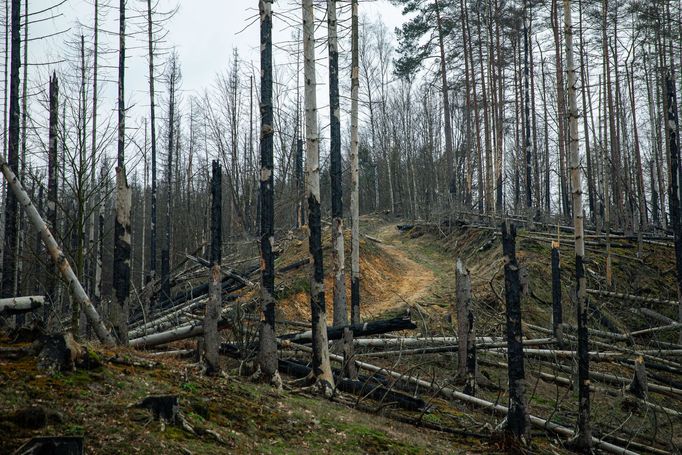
(359,330)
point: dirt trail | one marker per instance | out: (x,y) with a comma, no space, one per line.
(413,281)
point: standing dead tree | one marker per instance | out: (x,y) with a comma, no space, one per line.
(267,358)
(322,371)
(466,334)
(583,437)
(213,306)
(354,169)
(517,418)
(335,170)
(122,230)
(9,258)
(675,175)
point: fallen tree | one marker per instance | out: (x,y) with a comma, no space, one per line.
(359,330)
(453,394)
(17,305)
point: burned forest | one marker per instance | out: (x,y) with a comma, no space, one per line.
(341,226)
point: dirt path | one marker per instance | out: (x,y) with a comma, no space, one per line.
(413,281)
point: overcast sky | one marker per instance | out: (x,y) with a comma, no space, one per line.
(204,32)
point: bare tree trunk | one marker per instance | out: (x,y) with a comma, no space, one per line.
(354,167)
(557,310)
(446,102)
(517,418)
(561,110)
(9,265)
(527,138)
(166,250)
(322,372)
(93,246)
(213,306)
(122,243)
(338,253)
(675,176)
(583,438)
(466,332)
(268,346)
(52,171)
(152,107)
(585,82)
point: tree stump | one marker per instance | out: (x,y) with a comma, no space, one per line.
(58,353)
(60,445)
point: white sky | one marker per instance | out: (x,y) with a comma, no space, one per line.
(204,33)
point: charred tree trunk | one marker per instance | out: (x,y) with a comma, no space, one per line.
(322,372)
(338,253)
(165,251)
(52,171)
(9,258)
(152,113)
(583,438)
(675,176)
(466,332)
(517,418)
(213,306)
(268,345)
(557,311)
(122,244)
(355,168)
(526,132)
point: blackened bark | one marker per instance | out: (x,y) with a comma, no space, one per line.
(557,312)
(122,244)
(526,131)
(465,329)
(9,259)
(338,253)
(268,346)
(52,171)
(152,108)
(517,418)
(165,251)
(213,306)
(675,175)
(300,193)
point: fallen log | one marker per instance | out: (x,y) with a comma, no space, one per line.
(453,394)
(17,305)
(362,387)
(634,298)
(294,265)
(450,348)
(183,332)
(359,330)
(655,315)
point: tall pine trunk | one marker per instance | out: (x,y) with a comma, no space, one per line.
(122,244)
(322,372)
(583,437)
(213,306)
(354,168)
(152,111)
(338,253)
(268,345)
(9,258)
